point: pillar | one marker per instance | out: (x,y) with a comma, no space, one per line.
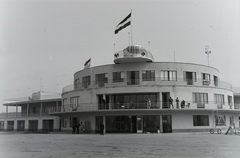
(104,123)
(16,110)
(6,111)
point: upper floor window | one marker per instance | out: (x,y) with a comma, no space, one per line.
(76,84)
(230,101)
(190,77)
(148,75)
(219,100)
(86,81)
(118,76)
(168,75)
(64,103)
(215,80)
(101,79)
(201,99)
(74,103)
(205,79)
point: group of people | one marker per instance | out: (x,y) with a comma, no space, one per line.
(77,128)
(182,105)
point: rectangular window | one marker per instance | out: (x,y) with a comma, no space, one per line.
(200,120)
(64,103)
(190,77)
(74,103)
(148,75)
(86,81)
(1,125)
(64,122)
(215,80)
(230,101)
(201,99)
(220,120)
(168,75)
(101,79)
(118,76)
(205,79)
(219,100)
(77,84)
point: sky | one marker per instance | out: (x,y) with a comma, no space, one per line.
(44,42)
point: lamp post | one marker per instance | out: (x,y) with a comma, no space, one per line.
(207,51)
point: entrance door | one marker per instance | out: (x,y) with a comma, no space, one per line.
(134,124)
(165,97)
(167,123)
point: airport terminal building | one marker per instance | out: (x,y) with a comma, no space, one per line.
(133,96)
(138,95)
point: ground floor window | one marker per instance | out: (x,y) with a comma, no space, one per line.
(200,120)
(220,120)
(20,125)
(10,125)
(64,122)
(47,125)
(98,121)
(1,125)
(151,123)
(119,124)
(33,125)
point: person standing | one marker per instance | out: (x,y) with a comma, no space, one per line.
(182,104)
(149,103)
(73,128)
(177,102)
(170,100)
(77,126)
(81,128)
(102,129)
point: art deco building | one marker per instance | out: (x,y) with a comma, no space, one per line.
(133,96)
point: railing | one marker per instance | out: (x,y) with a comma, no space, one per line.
(153,81)
(144,105)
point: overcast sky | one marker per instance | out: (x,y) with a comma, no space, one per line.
(51,39)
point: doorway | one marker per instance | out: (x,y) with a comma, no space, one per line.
(165,97)
(167,123)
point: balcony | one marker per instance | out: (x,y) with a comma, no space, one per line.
(154,82)
(188,105)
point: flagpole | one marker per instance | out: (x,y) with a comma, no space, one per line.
(129,38)
(131,29)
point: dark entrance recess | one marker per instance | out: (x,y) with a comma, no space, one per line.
(121,124)
(167,123)
(165,97)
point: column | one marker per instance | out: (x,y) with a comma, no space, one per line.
(104,123)
(16,110)
(6,111)
(41,109)
(27,109)
(56,107)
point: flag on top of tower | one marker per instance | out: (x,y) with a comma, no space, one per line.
(124,23)
(87,64)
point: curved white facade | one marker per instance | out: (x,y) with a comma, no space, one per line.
(118,95)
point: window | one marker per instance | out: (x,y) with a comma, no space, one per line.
(148,75)
(215,80)
(169,75)
(76,84)
(200,120)
(86,81)
(205,79)
(1,125)
(64,122)
(64,103)
(74,103)
(118,76)
(230,101)
(220,120)
(101,79)
(190,77)
(219,100)
(201,99)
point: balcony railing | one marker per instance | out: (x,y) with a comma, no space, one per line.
(153,81)
(144,105)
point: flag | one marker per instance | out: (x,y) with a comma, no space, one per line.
(124,23)
(87,64)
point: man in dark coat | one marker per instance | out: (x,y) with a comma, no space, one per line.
(102,129)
